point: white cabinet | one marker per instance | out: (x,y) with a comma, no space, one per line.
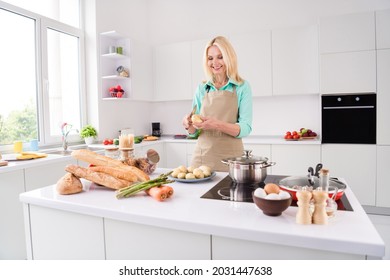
(294,160)
(254,60)
(383,97)
(382,29)
(61,235)
(347,33)
(45,175)
(153,243)
(110,59)
(295,60)
(176,154)
(197,70)
(383,167)
(224,248)
(348,72)
(12,240)
(357,165)
(348,58)
(172,64)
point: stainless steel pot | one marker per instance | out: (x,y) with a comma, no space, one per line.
(248,169)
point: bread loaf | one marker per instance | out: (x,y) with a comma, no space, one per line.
(100,160)
(115,172)
(69,184)
(97,177)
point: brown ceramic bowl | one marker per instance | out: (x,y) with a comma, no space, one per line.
(272,207)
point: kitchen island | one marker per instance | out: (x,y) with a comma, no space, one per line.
(95,224)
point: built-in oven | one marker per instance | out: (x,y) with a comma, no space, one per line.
(349,118)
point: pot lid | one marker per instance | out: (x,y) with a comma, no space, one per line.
(246,159)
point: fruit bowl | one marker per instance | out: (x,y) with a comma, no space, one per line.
(272,207)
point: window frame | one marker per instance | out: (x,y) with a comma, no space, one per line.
(43,23)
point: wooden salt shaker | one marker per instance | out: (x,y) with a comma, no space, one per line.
(319,215)
(303,216)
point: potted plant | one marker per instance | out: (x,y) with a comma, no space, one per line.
(88,133)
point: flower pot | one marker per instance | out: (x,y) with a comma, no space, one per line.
(89,140)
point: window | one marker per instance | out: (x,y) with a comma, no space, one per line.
(41,71)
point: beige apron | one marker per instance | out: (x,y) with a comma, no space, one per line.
(212,145)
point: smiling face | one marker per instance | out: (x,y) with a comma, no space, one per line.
(215,61)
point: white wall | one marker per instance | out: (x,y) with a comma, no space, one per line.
(155,22)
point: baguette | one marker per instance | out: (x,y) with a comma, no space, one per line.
(97,177)
(69,184)
(115,172)
(100,160)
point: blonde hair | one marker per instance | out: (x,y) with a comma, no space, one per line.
(229,57)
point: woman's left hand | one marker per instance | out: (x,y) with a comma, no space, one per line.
(207,124)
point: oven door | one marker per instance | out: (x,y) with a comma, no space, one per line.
(349,119)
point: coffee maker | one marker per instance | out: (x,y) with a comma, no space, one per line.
(156,130)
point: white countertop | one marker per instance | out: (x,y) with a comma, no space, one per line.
(348,232)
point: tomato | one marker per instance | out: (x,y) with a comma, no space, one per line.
(288,133)
(110,141)
(288,136)
(296,136)
(295,133)
(106,142)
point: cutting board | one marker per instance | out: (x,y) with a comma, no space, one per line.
(12,157)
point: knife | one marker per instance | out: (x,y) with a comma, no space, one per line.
(192,112)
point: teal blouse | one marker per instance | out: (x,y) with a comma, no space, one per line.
(244,98)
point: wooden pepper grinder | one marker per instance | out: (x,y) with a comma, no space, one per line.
(303,216)
(319,215)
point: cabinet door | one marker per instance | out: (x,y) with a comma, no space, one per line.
(173,72)
(383,97)
(254,60)
(294,160)
(45,175)
(383,167)
(190,151)
(61,235)
(295,61)
(382,29)
(153,243)
(348,72)
(357,165)
(345,33)
(12,240)
(176,154)
(197,71)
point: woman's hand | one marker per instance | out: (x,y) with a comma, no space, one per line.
(187,123)
(213,123)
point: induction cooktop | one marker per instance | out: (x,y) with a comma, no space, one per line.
(228,190)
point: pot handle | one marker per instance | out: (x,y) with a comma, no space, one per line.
(268,164)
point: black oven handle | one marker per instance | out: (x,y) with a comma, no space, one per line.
(347,107)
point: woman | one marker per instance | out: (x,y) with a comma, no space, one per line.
(224,103)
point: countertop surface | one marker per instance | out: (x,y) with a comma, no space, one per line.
(54,155)
(348,232)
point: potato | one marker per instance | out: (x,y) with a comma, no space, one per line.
(182,168)
(175,173)
(196,119)
(205,168)
(207,173)
(190,176)
(181,175)
(190,169)
(198,173)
